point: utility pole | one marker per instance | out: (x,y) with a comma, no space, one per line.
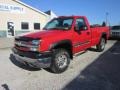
(106,15)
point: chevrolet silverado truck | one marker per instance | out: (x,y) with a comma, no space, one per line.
(60,40)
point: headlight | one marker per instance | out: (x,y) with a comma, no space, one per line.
(35,45)
(35,42)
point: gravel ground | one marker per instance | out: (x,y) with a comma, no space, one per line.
(6,42)
(89,71)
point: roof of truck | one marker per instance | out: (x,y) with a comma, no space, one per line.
(71,16)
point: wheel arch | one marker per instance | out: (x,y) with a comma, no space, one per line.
(65,44)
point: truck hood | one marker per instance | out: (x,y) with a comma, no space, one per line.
(44,34)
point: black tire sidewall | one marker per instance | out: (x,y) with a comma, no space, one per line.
(55,68)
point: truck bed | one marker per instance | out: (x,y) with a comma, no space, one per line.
(96,32)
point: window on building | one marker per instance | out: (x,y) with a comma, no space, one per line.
(24,25)
(36,26)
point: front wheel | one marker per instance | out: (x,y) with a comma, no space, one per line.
(61,61)
(101,46)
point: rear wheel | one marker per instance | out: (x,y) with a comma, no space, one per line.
(101,46)
(61,61)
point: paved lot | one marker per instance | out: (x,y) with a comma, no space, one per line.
(89,71)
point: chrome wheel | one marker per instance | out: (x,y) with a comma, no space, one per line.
(62,61)
(102,44)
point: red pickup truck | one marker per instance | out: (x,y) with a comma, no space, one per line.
(61,38)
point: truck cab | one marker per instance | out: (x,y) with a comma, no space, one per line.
(60,39)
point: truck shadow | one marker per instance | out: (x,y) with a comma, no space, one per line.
(21,65)
(102,74)
(92,49)
(118,39)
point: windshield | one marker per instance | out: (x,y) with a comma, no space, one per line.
(59,24)
(116,28)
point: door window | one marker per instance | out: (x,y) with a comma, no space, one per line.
(80,23)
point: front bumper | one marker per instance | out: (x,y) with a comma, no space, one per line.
(35,59)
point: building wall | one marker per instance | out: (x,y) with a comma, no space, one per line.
(28,15)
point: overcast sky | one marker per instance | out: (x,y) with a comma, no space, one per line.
(95,10)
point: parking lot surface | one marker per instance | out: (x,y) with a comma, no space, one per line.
(89,71)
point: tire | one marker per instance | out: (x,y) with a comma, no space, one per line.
(101,46)
(61,61)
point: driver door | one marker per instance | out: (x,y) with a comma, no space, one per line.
(82,36)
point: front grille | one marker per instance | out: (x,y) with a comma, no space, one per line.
(20,43)
(24,43)
(22,48)
(115,33)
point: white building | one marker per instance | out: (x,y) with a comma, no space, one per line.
(18,17)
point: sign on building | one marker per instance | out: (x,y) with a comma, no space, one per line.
(11,8)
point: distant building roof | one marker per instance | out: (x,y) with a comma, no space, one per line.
(51,13)
(48,12)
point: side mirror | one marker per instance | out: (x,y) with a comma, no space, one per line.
(81,28)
